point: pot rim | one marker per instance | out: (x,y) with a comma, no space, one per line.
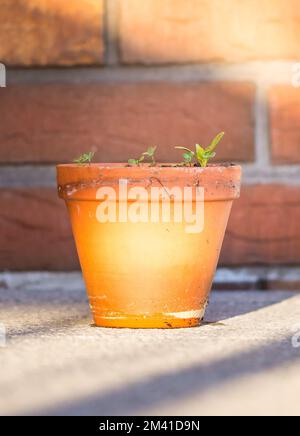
(161,165)
(80,182)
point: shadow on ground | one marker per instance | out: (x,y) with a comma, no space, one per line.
(161,389)
(138,396)
(223,305)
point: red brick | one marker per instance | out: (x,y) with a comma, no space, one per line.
(51,32)
(54,123)
(264,227)
(35,231)
(175,31)
(285,124)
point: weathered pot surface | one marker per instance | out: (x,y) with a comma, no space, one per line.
(145,263)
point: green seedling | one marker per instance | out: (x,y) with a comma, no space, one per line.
(148,155)
(201,155)
(85,158)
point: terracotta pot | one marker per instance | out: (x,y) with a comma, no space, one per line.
(156,273)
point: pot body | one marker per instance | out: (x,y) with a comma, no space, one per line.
(148,273)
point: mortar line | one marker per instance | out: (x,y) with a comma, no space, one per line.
(262,131)
(268,73)
(44,175)
(111,16)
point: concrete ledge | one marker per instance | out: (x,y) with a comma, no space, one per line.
(243,361)
(260,278)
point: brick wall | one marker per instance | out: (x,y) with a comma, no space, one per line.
(119,75)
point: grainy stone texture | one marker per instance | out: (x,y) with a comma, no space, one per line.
(173,31)
(284,122)
(58,122)
(51,32)
(241,361)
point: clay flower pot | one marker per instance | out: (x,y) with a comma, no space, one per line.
(148,259)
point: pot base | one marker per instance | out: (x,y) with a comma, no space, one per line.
(158,321)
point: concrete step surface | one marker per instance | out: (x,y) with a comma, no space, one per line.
(244,360)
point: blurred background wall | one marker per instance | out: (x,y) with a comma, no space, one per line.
(118,75)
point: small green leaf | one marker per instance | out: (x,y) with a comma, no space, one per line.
(199,152)
(147,154)
(188,157)
(215,142)
(199,149)
(133,161)
(151,151)
(85,158)
(208,155)
(185,149)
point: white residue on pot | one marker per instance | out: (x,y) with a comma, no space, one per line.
(189,314)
